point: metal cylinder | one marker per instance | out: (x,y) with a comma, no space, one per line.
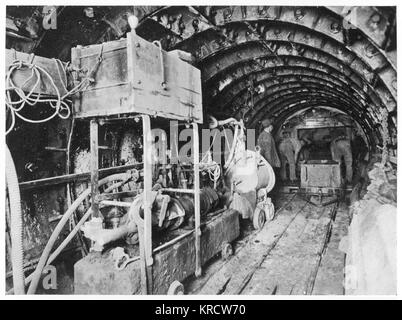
(209,199)
(250,172)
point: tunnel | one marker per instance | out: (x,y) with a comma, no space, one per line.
(316,73)
(259,62)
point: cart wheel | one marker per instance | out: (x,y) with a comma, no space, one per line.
(227,250)
(176,288)
(258,218)
(269,211)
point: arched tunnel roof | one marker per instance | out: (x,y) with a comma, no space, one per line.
(260,61)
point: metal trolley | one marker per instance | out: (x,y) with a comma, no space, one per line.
(142,82)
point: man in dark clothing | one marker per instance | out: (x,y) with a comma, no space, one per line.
(359,148)
(267,144)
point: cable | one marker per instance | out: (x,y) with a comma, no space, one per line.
(12,120)
(31,98)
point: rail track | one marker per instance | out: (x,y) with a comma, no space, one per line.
(285,257)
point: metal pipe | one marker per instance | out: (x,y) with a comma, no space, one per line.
(46,182)
(94,135)
(197,209)
(109,203)
(146,251)
(189,191)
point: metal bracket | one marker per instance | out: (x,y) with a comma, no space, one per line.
(162,65)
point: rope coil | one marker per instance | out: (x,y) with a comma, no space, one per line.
(30,97)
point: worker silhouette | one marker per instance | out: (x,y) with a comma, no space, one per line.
(289,149)
(359,147)
(267,144)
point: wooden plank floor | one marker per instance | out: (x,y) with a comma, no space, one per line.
(330,277)
(285,257)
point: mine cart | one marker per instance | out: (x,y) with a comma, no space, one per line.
(321,178)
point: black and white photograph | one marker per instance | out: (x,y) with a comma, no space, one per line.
(200,150)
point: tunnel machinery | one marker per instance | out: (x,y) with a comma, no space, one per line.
(315,72)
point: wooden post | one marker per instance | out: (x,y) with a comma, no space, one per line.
(147,147)
(94,168)
(68,149)
(197,212)
(143,266)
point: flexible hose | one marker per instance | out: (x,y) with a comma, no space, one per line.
(232,149)
(17,253)
(238,132)
(57,230)
(214,123)
(73,232)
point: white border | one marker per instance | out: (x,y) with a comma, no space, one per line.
(188,297)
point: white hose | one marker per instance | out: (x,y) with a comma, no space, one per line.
(17,253)
(214,123)
(57,230)
(77,227)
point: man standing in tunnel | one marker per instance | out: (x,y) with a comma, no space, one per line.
(359,147)
(267,144)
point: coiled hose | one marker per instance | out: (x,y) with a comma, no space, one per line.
(17,253)
(35,276)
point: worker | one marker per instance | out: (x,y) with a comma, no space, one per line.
(359,147)
(267,144)
(341,150)
(289,149)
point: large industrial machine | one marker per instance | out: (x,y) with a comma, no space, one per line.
(165,209)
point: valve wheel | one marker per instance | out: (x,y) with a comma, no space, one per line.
(176,288)
(226,251)
(258,218)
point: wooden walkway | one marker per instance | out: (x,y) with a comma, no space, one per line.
(296,253)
